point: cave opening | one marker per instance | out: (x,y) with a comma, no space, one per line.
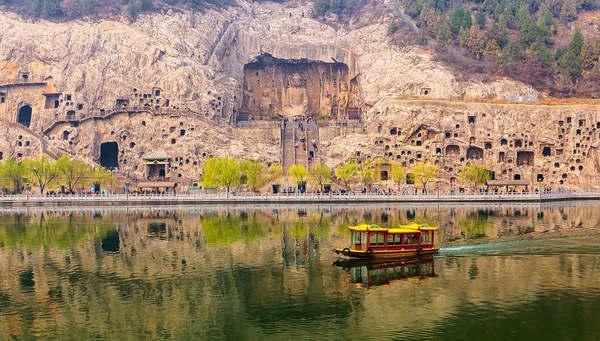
(524,158)
(474,153)
(275,88)
(546,151)
(24,115)
(384,175)
(452,150)
(109,155)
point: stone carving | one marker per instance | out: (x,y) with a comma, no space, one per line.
(296,87)
(296,97)
(216,73)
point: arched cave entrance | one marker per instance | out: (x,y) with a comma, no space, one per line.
(24,115)
(109,155)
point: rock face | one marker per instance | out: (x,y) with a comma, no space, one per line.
(184,84)
(274,88)
(558,144)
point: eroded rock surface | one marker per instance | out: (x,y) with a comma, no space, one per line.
(181,83)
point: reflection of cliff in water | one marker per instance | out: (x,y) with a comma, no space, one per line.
(236,272)
(46,230)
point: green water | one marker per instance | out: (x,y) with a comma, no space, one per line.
(505,272)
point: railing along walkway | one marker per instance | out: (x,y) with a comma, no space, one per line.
(182,198)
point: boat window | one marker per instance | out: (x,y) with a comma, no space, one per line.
(377,238)
(390,240)
(397,239)
(412,239)
(363,238)
(356,238)
(426,238)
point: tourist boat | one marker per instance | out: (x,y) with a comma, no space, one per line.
(372,241)
(371,273)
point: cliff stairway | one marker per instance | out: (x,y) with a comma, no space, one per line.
(292,150)
(288,149)
(312,138)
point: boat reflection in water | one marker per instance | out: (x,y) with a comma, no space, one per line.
(375,273)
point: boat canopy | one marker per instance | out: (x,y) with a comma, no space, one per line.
(410,228)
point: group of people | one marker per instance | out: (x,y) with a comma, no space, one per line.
(300,120)
(303,140)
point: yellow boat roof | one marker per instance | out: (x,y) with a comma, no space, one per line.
(410,228)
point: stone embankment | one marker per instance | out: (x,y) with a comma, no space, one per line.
(183,199)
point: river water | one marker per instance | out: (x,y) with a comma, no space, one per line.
(505,271)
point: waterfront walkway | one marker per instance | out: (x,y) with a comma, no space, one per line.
(185,198)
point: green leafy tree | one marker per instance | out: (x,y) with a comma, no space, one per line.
(346,173)
(320,174)
(367,173)
(497,33)
(101,177)
(221,172)
(570,64)
(424,172)
(73,172)
(577,43)
(12,175)
(275,172)
(474,174)
(545,19)
(529,31)
(42,171)
(459,18)
(254,173)
(541,52)
(398,174)
(298,173)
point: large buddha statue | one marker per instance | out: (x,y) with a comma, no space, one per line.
(295,101)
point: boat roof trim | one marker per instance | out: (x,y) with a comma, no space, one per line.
(410,228)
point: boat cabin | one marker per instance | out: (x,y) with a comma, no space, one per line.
(365,237)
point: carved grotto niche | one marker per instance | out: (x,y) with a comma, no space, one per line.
(275,88)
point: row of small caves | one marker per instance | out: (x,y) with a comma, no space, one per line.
(450,151)
(112,156)
(138,100)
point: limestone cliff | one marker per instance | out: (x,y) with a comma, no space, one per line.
(181,83)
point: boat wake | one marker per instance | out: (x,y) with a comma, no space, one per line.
(580,245)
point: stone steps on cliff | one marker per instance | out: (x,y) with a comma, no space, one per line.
(288,148)
(312,134)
